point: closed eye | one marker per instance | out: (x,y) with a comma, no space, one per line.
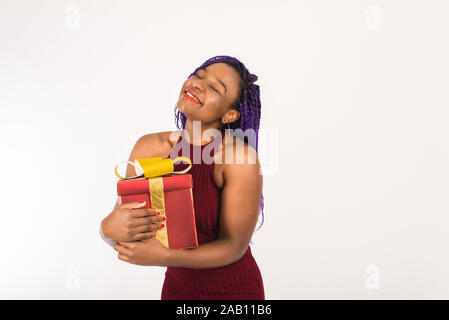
(215,89)
(209,86)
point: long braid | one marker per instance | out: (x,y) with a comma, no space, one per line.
(248,104)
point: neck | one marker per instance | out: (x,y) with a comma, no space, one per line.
(200,133)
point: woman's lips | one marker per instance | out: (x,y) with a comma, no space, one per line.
(188,97)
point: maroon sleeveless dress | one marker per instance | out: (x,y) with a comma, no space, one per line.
(238,280)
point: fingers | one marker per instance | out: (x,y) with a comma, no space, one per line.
(144,212)
(123,257)
(121,249)
(143,236)
(139,207)
(133,205)
(126,244)
(123,252)
(144,228)
(146,221)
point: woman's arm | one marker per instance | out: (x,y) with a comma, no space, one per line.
(240,201)
(147,146)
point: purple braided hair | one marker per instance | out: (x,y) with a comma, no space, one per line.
(248,104)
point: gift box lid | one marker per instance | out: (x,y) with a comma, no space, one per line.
(140,185)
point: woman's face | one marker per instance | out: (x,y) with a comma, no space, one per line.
(216,87)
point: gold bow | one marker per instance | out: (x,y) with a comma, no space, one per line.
(153,169)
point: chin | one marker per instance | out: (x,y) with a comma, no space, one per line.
(187,106)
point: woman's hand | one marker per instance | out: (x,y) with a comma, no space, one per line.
(148,252)
(131,222)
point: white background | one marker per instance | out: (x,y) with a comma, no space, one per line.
(354,98)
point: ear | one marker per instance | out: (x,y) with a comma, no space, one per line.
(232,115)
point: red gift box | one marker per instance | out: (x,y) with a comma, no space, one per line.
(174,193)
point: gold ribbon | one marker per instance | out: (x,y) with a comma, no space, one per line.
(152,169)
(157,201)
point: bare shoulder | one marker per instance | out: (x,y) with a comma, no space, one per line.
(236,161)
(171,137)
(158,144)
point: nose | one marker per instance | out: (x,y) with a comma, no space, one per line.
(197,85)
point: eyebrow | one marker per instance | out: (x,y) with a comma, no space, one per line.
(221,82)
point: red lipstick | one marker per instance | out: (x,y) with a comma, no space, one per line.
(189,95)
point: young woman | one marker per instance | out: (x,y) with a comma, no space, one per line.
(227,194)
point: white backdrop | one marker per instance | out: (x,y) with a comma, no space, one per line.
(354,144)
